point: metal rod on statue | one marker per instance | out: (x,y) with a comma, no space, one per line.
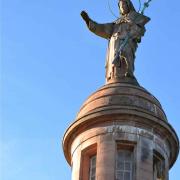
(146,5)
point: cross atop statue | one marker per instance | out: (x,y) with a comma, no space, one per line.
(123,35)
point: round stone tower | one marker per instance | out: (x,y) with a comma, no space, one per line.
(121,133)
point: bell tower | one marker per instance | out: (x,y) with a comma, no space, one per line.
(121,131)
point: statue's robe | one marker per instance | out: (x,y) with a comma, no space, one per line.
(132,25)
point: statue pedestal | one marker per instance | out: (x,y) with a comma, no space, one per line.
(124,80)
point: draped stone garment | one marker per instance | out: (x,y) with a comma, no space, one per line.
(132,25)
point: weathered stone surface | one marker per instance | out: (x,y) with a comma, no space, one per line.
(116,113)
(122,96)
(106,138)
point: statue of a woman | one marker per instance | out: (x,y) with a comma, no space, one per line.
(124,34)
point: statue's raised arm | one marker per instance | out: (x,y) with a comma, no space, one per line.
(124,34)
(102,30)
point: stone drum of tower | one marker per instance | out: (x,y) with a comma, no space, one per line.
(124,128)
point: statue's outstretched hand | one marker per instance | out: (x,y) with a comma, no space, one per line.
(85,16)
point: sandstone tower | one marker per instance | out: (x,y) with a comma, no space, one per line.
(121,131)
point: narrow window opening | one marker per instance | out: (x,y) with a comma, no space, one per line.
(158,166)
(88,163)
(92,170)
(124,162)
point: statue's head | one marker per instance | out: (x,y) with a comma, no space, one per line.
(125,6)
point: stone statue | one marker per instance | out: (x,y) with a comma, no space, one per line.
(123,35)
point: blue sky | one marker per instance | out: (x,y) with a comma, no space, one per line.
(51,63)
